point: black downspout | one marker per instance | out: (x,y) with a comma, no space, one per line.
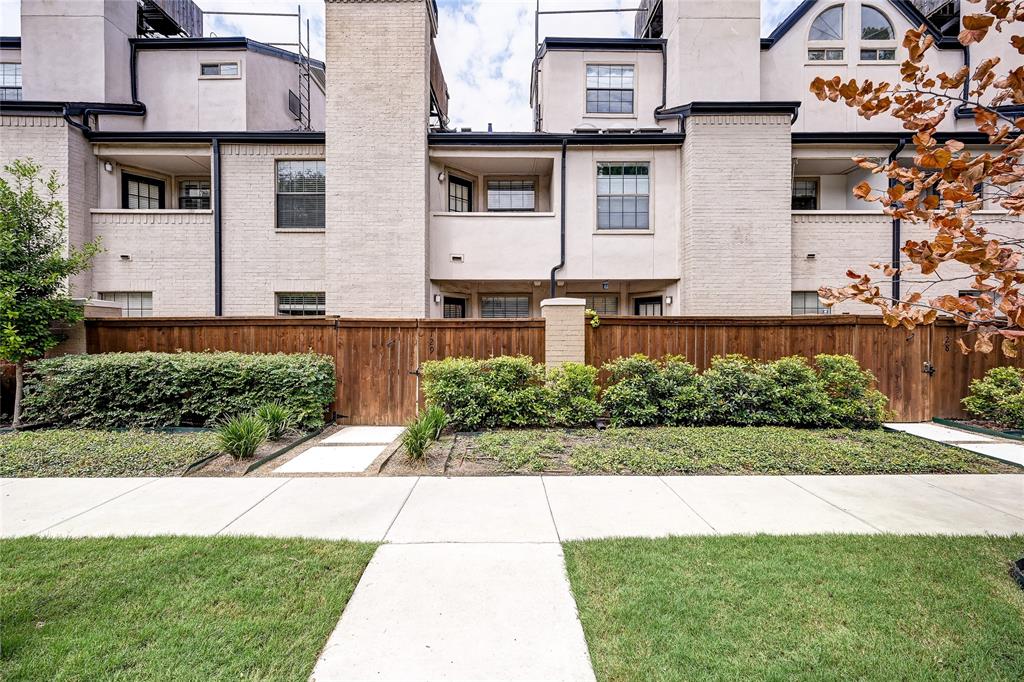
(561,263)
(218,292)
(896,239)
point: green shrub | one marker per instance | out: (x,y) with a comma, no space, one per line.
(573,387)
(423,430)
(516,392)
(733,391)
(635,391)
(241,435)
(680,402)
(998,397)
(793,394)
(174,389)
(850,399)
(277,418)
(456,385)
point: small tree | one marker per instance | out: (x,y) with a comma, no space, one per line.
(944,186)
(35,264)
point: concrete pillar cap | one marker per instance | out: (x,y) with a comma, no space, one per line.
(562,301)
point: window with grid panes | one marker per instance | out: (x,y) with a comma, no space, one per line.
(647,306)
(609,89)
(141,193)
(194,194)
(460,195)
(808,303)
(602,304)
(623,196)
(805,194)
(10,82)
(510,195)
(504,306)
(301,304)
(300,195)
(133,303)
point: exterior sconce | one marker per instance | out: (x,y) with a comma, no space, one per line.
(107,166)
(437,298)
(440,176)
(604,285)
(668,300)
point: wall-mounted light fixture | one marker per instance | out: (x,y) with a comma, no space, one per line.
(604,285)
(668,300)
(440,176)
(125,257)
(437,298)
(107,166)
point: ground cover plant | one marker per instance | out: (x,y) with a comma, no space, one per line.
(146,389)
(92,453)
(800,608)
(171,608)
(710,450)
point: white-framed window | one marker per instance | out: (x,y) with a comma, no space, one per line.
(504,305)
(808,303)
(301,202)
(511,195)
(623,195)
(133,303)
(609,88)
(602,304)
(10,81)
(878,37)
(194,194)
(219,70)
(301,303)
(825,39)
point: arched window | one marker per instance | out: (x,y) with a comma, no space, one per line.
(878,36)
(826,36)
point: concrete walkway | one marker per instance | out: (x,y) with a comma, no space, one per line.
(1003,449)
(472,584)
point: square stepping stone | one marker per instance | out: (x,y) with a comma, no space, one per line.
(586,507)
(1008,452)
(365,435)
(943,434)
(459,612)
(332,459)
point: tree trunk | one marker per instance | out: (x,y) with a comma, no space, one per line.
(19,383)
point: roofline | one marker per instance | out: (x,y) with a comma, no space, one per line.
(791,108)
(904,7)
(602,44)
(892,137)
(10,42)
(219,43)
(481,139)
(71,108)
(267,136)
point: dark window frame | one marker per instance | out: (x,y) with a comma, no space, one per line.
(817,194)
(318,307)
(611,195)
(819,308)
(512,179)
(129,177)
(181,182)
(455,302)
(483,312)
(278,194)
(598,89)
(646,301)
(457,181)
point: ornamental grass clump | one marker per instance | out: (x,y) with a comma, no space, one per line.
(277,417)
(240,436)
(423,430)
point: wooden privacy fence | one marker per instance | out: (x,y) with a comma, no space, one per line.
(375,360)
(922,371)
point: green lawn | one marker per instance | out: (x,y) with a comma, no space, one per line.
(87,452)
(726,450)
(806,608)
(171,608)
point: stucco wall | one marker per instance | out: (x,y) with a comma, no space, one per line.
(377,113)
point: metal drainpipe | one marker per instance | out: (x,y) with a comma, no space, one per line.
(561,263)
(218,290)
(896,239)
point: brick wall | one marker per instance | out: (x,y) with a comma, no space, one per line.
(258,259)
(736,224)
(377,115)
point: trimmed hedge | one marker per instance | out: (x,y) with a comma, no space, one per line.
(118,390)
(998,397)
(734,390)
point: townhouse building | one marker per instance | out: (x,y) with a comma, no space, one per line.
(684,171)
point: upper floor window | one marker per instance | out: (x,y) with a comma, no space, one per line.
(10,82)
(300,195)
(805,194)
(623,196)
(219,70)
(141,192)
(826,36)
(878,35)
(510,195)
(194,194)
(460,195)
(609,89)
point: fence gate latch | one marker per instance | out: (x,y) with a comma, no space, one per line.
(928,368)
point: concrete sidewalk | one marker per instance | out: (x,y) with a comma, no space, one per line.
(512,508)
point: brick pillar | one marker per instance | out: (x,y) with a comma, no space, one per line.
(564,333)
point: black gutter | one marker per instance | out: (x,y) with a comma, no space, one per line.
(274,136)
(561,263)
(684,111)
(441,139)
(219,43)
(889,138)
(603,44)
(896,225)
(218,265)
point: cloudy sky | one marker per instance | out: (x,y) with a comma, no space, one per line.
(485,46)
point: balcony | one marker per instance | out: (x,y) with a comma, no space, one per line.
(493,246)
